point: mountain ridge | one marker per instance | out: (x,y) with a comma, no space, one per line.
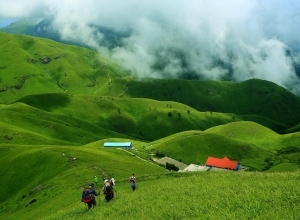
(59,94)
(45,66)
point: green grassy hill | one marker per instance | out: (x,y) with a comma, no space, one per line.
(195,146)
(84,119)
(59,102)
(21,26)
(44,66)
(294,129)
(44,173)
(53,182)
(63,94)
(44,28)
(37,66)
(250,99)
(250,131)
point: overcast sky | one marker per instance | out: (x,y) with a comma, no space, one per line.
(212,38)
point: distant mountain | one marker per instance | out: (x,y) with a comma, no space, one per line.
(59,94)
(23,26)
(60,103)
(41,66)
(44,28)
(111,39)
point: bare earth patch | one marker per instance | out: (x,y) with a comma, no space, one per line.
(164,160)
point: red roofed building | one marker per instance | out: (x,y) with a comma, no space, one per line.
(224,163)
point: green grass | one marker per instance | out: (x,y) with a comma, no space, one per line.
(79,71)
(57,182)
(195,146)
(294,129)
(250,98)
(71,69)
(52,112)
(66,118)
(81,97)
(46,168)
(250,131)
(285,167)
(20,26)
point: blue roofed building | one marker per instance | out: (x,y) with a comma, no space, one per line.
(118,144)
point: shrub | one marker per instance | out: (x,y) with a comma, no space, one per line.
(170,166)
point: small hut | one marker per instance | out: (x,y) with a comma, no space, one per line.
(118,144)
(223,163)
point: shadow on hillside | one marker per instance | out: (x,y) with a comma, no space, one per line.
(46,102)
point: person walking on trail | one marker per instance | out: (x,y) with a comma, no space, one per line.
(112,181)
(88,196)
(132,182)
(108,190)
(96,180)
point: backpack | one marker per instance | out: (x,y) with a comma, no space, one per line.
(112,181)
(108,188)
(87,196)
(132,179)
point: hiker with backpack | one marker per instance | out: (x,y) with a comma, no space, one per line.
(96,180)
(132,182)
(108,190)
(112,181)
(88,196)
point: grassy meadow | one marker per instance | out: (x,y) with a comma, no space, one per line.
(56,182)
(59,102)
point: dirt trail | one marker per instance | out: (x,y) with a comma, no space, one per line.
(137,156)
(126,88)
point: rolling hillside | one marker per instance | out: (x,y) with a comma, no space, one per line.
(59,104)
(46,183)
(63,94)
(195,146)
(65,119)
(248,99)
(36,66)
(45,66)
(43,28)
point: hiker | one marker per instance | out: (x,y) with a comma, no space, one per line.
(108,190)
(132,182)
(88,196)
(96,180)
(112,181)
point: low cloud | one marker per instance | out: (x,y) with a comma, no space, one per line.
(205,39)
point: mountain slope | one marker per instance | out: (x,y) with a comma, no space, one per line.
(252,97)
(250,131)
(53,93)
(45,66)
(195,146)
(44,183)
(45,28)
(45,173)
(60,103)
(83,119)
(35,66)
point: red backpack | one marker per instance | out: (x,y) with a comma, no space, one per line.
(87,195)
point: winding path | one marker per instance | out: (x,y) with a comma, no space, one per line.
(137,156)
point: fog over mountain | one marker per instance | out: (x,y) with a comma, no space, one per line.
(201,39)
